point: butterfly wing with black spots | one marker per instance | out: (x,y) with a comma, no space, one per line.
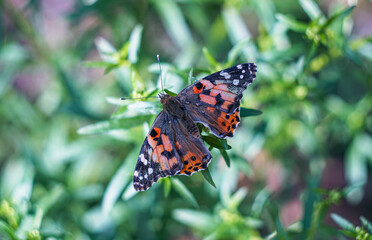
(158,156)
(215,100)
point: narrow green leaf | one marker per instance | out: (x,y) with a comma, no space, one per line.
(134,43)
(292,23)
(167,186)
(54,195)
(209,57)
(174,22)
(311,9)
(349,233)
(355,165)
(116,185)
(367,224)
(238,31)
(225,157)
(342,222)
(106,50)
(259,202)
(310,53)
(96,64)
(236,50)
(196,219)
(190,76)
(172,94)
(110,68)
(113,124)
(5,228)
(216,142)
(282,235)
(129,192)
(308,205)
(247,112)
(207,176)
(341,14)
(184,192)
(152,93)
(237,198)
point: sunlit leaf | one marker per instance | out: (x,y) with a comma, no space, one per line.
(312,9)
(167,186)
(135,42)
(259,202)
(292,23)
(116,185)
(170,93)
(196,219)
(342,222)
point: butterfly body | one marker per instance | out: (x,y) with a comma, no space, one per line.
(173,145)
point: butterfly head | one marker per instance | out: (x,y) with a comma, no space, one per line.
(163,97)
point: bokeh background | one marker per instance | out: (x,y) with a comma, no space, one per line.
(68,145)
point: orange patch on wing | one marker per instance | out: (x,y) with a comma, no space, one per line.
(167,144)
(222,87)
(224,95)
(207,84)
(226,105)
(155,157)
(228,123)
(159,149)
(189,155)
(210,109)
(196,90)
(207,99)
(178,146)
(152,138)
(164,163)
(173,161)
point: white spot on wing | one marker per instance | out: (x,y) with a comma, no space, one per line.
(236,82)
(150,171)
(145,176)
(143,160)
(135,173)
(239,66)
(243,71)
(241,76)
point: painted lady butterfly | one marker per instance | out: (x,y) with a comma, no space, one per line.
(173,145)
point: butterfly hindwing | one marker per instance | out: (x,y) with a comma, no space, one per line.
(194,155)
(215,99)
(158,156)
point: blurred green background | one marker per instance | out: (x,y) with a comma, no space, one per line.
(68,145)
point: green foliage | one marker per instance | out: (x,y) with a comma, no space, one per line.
(69,144)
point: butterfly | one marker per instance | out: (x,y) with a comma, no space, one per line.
(173,144)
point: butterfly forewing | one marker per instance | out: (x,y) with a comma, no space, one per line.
(158,156)
(215,99)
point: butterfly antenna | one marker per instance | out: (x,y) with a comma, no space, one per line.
(125,98)
(161,74)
